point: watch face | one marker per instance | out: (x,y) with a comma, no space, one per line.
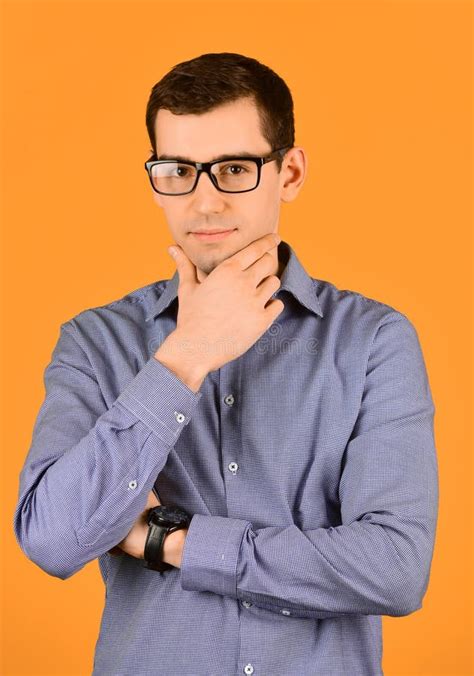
(167,516)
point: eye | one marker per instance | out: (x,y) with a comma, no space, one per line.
(182,169)
(241,169)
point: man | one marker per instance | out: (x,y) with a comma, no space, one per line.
(291,420)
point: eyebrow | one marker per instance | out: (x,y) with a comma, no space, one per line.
(180,158)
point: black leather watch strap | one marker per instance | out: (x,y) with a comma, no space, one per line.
(154,547)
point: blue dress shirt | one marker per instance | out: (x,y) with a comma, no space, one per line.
(308,464)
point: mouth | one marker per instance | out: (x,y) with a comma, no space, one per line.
(212,235)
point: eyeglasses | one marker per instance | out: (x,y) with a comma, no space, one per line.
(234,174)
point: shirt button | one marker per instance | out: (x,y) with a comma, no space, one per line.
(285,612)
(179,416)
(248,669)
(229,399)
(233,466)
(132,485)
(247,604)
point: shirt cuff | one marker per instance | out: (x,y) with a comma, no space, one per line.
(210,554)
(160,399)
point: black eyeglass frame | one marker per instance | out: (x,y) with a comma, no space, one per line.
(205,167)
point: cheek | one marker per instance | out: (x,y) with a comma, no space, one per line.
(259,202)
(264,209)
(170,208)
(174,215)
(156,199)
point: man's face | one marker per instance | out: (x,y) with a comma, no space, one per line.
(229,129)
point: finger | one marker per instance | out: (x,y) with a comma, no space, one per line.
(186,269)
(262,268)
(267,288)
(255,250)
(274,308)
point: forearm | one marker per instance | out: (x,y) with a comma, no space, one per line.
(89,470)
(359,568)
(88,499)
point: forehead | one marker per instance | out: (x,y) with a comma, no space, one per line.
(232,128)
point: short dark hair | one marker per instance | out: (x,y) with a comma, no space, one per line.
(209,80)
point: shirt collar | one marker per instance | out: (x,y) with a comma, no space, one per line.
(294,279)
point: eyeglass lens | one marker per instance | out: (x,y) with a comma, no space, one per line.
(175,177)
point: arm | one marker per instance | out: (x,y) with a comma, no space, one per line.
(378,561)
(90,468)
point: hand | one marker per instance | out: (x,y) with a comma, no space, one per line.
(134,542)
(222,317)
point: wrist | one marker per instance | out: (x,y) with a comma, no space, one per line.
(174,353)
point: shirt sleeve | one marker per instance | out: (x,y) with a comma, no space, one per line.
(90,467)
(377,562)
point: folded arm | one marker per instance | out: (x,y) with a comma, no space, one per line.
(90,468)
(377,562)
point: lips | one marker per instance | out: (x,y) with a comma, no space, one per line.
(212,235)
(210,232)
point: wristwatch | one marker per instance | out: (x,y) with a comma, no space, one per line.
(162,520)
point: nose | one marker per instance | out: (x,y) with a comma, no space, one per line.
(206,196)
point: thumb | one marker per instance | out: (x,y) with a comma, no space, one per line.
(186,269)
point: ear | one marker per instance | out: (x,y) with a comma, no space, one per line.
(293,173)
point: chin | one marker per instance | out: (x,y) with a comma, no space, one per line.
(208,263)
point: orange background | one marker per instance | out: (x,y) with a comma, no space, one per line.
(382,94)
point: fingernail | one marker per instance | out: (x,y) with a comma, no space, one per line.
(172,251)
